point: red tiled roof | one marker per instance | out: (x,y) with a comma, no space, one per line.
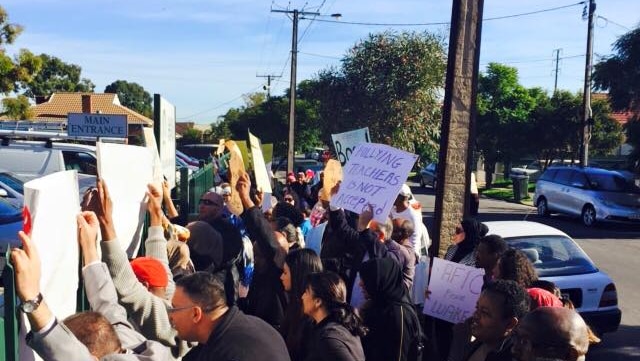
(621,117)
(60,105)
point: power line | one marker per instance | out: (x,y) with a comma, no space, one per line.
(447,22)
(320,55)
(613,22)
(220,105)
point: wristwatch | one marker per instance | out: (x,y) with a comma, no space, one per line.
(31,305)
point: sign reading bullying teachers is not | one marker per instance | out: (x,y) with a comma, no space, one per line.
(373,175)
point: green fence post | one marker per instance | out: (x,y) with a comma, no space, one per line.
(10,311)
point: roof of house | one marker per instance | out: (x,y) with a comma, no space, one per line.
(59,105)
(621,117)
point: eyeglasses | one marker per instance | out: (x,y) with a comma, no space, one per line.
(288,199)
(208,202)
(171,309)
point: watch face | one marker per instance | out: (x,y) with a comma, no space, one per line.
(28,307)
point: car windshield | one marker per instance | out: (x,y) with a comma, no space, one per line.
(554,255)
(13,182)
(611,183)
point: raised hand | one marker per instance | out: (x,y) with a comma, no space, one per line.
(88,227)
(100,204)
(243,185)
(154,205)
(26,262)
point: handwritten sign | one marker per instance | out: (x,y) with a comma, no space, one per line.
(263,182)
(97,125)
(345,143)
(332,175)
(236,168)
(455,288)
(373,175)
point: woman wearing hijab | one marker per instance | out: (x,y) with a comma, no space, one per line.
(337,327)
(463,251)
(394,329)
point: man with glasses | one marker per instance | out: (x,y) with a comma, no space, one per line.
(199,312)
(210,210)
(551,333)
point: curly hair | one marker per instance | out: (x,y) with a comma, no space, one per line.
(515,297)
(514,265)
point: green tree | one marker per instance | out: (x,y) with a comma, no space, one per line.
(56,76)
(17,108)
(391,82)
(504,107)
(21,68)
(191,136)
(133,96)
(620,75)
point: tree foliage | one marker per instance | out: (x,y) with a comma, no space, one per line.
(504,107)
(390,82)
(56,76)
(269,121)
(17,108)
(133,96)
(21,68)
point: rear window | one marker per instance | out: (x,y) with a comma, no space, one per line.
(548,174)
(554,255)
(12,182)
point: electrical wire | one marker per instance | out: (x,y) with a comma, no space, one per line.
(447,22)
(613,22)
(220,105)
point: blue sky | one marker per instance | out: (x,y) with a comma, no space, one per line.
(204,55)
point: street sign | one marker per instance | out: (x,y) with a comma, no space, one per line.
(97,125)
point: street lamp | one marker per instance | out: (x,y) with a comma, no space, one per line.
(292,87)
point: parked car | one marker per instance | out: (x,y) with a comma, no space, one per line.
(428,175)
(187,159)
(39,158)
(593,194)
(299,165)
(557,258)
(10,224)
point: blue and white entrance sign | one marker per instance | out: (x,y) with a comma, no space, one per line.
(97,125)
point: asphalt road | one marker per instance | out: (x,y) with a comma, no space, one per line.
(614,248)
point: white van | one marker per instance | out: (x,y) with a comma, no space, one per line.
(38,158)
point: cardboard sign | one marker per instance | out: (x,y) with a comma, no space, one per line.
(345,143)
(53,203)
(97,125)
(455,289)
(126,169)
(236,168)
(373,176)
(332,175)
(263,182)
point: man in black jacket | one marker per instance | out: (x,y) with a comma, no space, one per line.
(199,312)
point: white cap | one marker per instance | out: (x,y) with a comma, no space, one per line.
(405,191)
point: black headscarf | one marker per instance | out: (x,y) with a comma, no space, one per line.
(382,278)
(473,231)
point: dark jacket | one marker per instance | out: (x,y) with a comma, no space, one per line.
(333,342)
(394,328)
(266,298)
(357,244)
(501,354)
(240,337)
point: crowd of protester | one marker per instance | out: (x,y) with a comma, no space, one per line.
(263,285)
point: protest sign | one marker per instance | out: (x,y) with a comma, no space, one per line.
(246,156)
(454,288)
(126,170)
(345,143)
(220,149)
(236,168)
(263,182)
(373,176)
(52,203)
(332,175)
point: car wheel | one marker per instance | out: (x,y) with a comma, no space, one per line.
(543,209)
(588,215)
(422,183)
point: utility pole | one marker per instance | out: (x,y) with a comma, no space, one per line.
(292,97)
(268,87)
(555,84)
(586,100)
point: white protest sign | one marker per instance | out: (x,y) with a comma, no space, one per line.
(53,203)
(455,288)
(345,143)
(126,169)
(263,182)
(373,175)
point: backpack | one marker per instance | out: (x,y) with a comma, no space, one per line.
(416,340)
